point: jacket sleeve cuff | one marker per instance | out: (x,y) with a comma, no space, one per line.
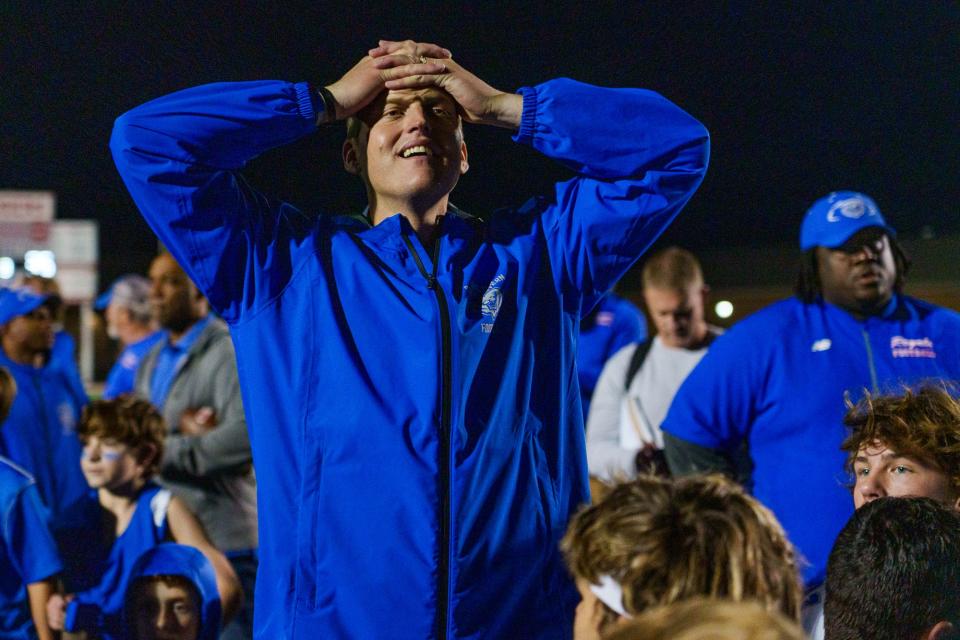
(308,102)
(528,118)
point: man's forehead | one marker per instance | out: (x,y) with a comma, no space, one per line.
(426,94)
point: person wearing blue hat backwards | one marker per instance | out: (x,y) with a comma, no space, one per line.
(40,432)
(777,381)
(28,554)
(126,309)
(172,595)
(408,373)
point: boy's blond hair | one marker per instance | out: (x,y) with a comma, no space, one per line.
(921,423)
(705,619)
(668,540)
(127,420)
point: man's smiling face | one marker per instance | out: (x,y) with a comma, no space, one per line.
(410,145)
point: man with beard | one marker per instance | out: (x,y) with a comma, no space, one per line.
(776,383)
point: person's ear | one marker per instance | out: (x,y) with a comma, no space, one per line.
(351,156)
(464,163)
(943,630)
(146,454)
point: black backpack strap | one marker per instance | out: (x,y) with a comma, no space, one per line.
(639,356)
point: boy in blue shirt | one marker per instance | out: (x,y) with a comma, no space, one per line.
(124,514)
(28,556)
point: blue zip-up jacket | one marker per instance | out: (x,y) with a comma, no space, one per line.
(40,432)
(778,380)
(415,416)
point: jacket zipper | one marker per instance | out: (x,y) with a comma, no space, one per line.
(873,370)
(445,402)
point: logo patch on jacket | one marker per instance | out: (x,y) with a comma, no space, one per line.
(822,344)
(902,347)
(490,306)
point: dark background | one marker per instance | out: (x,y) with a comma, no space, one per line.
(801,98)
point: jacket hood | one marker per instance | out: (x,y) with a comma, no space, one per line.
(170,559)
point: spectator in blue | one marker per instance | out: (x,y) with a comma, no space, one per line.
(777,382)
(28,556)
(409,372)
(126,308)
(173,596)
(191,377)
(62,353)
(613,324)
(40,432)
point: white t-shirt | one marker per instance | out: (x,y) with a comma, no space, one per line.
(622,421)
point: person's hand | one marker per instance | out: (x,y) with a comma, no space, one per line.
(57,611)
(388,61)
(197,422)
(479,102)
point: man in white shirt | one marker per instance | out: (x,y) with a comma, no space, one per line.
(638,383)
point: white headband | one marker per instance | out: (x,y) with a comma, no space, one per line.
(610,593)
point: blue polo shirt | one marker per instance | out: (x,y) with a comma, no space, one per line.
(121,376)
(172,356)
(27,551)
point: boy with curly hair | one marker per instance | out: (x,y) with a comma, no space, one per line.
(123,515)
(653,541)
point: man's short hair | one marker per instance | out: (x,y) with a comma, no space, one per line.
(668,540)
(708,619)
(894,571)
(921,423)
(673,268)
(127,420)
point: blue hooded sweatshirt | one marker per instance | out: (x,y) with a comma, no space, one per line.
(414,415)
(171,559)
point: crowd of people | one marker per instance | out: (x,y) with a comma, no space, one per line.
(431,396)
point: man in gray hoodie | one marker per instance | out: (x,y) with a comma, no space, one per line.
(191,376)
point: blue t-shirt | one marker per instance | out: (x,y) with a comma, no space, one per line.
(27,551)
(613,324)
(97,565)
(121,376)
(779,379)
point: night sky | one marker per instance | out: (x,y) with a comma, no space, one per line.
(799,101)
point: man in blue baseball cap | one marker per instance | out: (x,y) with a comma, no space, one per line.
(126,309)
(775,385)
(39,433)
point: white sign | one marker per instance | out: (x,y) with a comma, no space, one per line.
(75,243)
(77,284)
(24,207)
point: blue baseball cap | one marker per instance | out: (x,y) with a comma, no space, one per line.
(18,301)
(832,219)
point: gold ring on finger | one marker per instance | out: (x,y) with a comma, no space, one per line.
(423,59)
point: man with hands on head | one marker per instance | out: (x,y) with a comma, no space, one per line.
(408,373)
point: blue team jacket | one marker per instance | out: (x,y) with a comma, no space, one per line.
(779,378)
(414,415)
(40,432)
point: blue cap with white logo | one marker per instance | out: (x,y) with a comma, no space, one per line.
(832,219)
(17,302)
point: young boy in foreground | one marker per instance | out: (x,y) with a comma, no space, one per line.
(653,541)
(123,515)
(172,596)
